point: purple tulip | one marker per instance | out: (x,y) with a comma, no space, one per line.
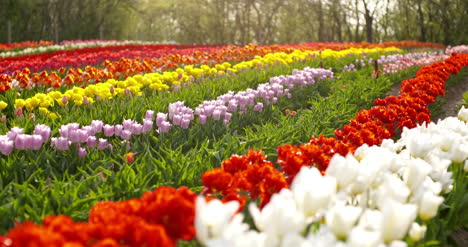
(147,126)
(227,116)
(127,124)
(82,152)
(177,119)
(165,126)
(36,142)
(63,131)
(160,117)
(149,115)
(97,126)
(62,143)
(14,132)
(185,123)
(232,106)
(21,141)
(6,145)
(102,144)
(258,107)
(202,119)
(126,134)
(137,129)
(118,129)
(42,130)
(91,142)
(216,114)
(108,130)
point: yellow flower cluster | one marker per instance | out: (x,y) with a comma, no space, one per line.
(161,81)
(3,105)
(298,55)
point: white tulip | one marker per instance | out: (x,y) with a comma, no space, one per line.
(248,239)
(312,191)
(392,188)
(463,114)
(279,217)
(396,220)
(419,144)
(466,166)
(398,243)
(417,232)
(360,237)
(415,173)
(344,169)
(371,220)
(213,217)
(458,153)
(341,219)
(292,239)
(429,205)
(324,237)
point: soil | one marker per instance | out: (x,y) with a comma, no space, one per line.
(453,99)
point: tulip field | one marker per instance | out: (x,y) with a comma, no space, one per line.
(129,143)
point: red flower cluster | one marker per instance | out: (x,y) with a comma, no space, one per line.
(24,44)
(158,218)
(5,82)
(249,174)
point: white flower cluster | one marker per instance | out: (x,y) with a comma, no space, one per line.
(375,197)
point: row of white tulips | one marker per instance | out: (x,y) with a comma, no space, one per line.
(380,196)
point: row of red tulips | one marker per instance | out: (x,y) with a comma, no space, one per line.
(24,44)
(162,217)
(90,56)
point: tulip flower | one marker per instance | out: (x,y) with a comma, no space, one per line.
(313,192)
(417,232)
(82,152)
(102,144)
(429,205)
(108,130)
(397,218)
(341,219)
(212,218)
(3,105)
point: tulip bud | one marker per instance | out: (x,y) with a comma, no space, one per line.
(202,119)
(82,152)
(417,232)
(130,157)
(19,112)
(85,100)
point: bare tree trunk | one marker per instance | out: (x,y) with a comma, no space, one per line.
(356,32)
(421,22)
(321,22)
(369,21)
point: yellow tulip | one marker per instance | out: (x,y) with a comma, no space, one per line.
(3,105)
(19,103)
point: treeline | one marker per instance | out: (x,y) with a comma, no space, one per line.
(235,21)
